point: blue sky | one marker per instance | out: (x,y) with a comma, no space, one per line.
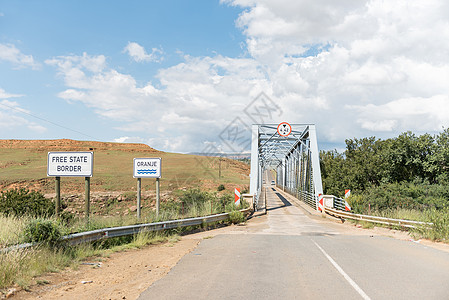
(46,29)
(176,75)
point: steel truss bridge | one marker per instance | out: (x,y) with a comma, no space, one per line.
(294,159)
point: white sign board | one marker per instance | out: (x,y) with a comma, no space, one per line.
(147,168)
(70,164)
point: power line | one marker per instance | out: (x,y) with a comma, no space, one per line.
(48,121)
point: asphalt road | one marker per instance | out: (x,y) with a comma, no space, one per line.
(289,255)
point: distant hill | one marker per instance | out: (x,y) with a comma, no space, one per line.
(23,163)
(72,145)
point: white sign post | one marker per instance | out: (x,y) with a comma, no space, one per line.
(147,168)
(71,164)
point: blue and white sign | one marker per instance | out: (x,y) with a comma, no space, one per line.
(147,167)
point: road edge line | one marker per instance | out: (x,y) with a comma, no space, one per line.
(342,272)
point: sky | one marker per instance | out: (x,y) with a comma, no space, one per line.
(192,76)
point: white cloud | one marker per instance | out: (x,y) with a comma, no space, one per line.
(129,139)
(138,53)
(5,95)
(422,114)
(381,57)
(10,53)
(353,67)
(72,63)
(11,116)
(194,102)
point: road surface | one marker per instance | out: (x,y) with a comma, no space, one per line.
(290,255)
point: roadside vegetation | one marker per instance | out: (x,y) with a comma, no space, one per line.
(37,223)
(406,177)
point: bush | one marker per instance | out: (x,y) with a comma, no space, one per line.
(195,198)
(42,231)
(171,206)
(236,217)
(221,187)
(22,202)
(404,195)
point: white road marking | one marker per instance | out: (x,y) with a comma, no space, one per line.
(346,276)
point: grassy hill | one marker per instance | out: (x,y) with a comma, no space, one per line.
(23,163)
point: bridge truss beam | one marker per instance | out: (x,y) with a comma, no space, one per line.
(294,159)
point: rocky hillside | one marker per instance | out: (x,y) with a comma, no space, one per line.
(72,145)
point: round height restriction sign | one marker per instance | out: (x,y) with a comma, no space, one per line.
(284,129)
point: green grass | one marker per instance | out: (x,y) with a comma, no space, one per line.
(404,214)
(439,231)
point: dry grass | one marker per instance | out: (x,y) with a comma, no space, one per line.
(20,267)
(11,229)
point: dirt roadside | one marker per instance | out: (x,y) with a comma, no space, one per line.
(122,275)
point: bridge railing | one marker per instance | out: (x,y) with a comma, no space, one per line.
(308,198)
(338,203)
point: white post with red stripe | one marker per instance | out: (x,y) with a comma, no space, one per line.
(347,194)
(237,197)
(320,202)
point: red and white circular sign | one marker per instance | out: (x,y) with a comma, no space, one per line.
(284,129)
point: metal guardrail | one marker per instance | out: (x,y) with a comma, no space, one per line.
(375,219)
(95,235)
